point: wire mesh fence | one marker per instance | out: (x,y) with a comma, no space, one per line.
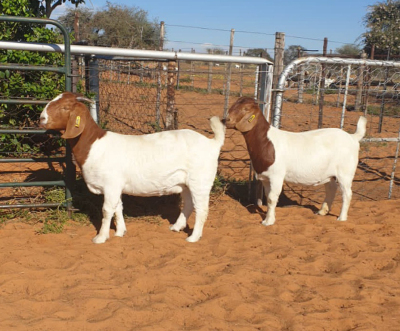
(133,100)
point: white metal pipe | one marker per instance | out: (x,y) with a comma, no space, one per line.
(135,53)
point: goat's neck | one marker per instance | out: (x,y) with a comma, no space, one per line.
(81,145)
(261,149)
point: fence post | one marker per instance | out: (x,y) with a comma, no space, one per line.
(159,70)
(209,82)
(322,87)
(94,86)
(171,120)
(228,77)
(360,84)
(278,65)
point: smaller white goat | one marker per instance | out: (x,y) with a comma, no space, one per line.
(315,157)
(169,162)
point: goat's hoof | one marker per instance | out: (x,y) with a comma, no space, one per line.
(342,219)
(322,212)
(99,239)
(120,234)
(265,223)
(176,228)
(192,239)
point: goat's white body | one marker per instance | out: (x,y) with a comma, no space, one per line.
(170,162)
(313,158)
(150,165)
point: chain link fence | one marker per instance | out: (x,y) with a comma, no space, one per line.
(133,100)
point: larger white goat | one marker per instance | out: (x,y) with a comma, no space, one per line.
(315,157)
(180,161)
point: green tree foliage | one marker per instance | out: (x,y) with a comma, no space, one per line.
(348,49)
(133,30)
(292,53)
(259,52)
(383,28)
(216,51)
(25,84)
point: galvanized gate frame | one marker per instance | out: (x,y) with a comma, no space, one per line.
(67,159)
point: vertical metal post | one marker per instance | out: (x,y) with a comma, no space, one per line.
(228,77)
(94,83)
(346,91)
(322,87)
(394,166)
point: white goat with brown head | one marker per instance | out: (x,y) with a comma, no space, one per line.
(323,156)
(169,162)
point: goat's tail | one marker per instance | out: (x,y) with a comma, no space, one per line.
(361,128)
(219,130)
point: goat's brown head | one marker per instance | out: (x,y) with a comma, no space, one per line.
(65,113)
(243,115)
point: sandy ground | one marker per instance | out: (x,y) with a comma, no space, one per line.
(306,272)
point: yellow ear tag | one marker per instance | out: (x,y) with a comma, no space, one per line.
(77,121)
(251,118)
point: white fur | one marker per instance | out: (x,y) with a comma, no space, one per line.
(313,158)
(169,162)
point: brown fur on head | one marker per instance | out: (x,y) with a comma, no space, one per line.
(243,115)
(66,113)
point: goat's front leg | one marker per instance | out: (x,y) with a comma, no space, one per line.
(187,209)
(119,220)
(266,187)
(330,191)
(275,189)
(110,204)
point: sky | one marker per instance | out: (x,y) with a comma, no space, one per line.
(207,24)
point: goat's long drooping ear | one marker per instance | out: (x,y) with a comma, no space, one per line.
(247,122)
(76,122)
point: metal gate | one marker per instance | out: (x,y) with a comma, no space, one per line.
(69,173)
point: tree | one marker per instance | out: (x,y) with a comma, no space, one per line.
(216,50)
(292,53)
(134,29)
(45,8)
(383,28)
(85,17)
(348,49)
(259,52)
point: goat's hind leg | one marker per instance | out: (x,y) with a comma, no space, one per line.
(119,220)
(201,202)
(330,191)
(109,207)
(187,209)
(345,186)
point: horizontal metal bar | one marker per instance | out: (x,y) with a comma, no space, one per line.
(134,53)
(38,159)
(32,68)
(29,184)
(32,205)
(29,131)
(23,102)
(369,140)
